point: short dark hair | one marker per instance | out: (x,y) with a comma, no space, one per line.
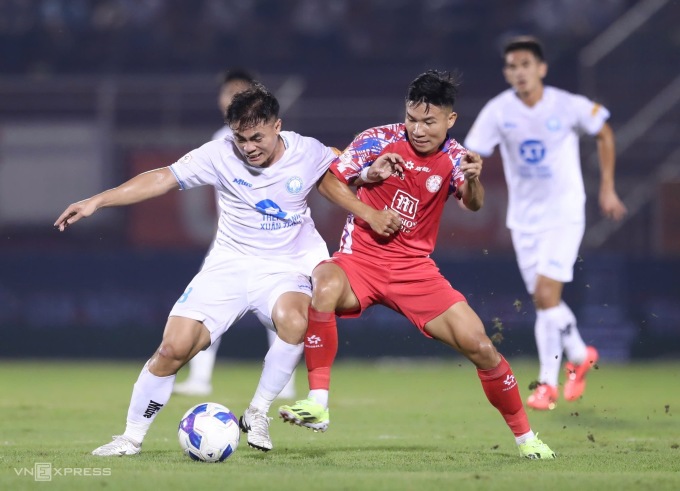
(234,75)
(252,107)
(434,87)
(524,43)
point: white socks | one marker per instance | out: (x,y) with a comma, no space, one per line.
(289,390)
(524,438)
(573,344)
(555,332)
(201,366)
(149,394)
(549,344)
(320,396)
(278,367)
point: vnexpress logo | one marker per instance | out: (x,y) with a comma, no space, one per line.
(43,471)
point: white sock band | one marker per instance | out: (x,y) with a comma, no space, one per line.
(149,394)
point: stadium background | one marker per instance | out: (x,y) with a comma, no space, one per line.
(93,92)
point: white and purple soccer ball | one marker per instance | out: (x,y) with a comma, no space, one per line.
(209,432)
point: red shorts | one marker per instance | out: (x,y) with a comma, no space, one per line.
(413,287)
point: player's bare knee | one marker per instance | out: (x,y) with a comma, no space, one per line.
(328,283)
(326,294)
(172,354)
(547,294)
(488,354)
(481,352)
(291,327)
(541,299)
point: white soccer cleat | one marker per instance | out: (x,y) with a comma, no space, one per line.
(191,388)
(121,445)
(255,424)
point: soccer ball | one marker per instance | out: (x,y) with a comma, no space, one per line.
(209,432)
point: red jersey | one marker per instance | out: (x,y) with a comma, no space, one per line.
(418,196)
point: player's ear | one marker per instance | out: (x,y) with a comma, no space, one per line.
(543,69)
(277,125)
(451,119)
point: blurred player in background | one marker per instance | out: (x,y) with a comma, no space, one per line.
(405,172)
(199,381)
(263,253)
(537,128)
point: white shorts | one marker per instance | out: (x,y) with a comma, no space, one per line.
(228,286)
(551,253)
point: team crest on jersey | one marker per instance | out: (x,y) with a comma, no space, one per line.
(433,183)
(185,159)
(294,185)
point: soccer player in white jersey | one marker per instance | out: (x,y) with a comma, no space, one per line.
(199,381)
(264,251)
(537,128)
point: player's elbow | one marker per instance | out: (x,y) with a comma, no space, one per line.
(474,204)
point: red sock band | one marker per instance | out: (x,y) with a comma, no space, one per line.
(501,389)
(321,347)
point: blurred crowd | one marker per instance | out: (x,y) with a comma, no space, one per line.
(125,36)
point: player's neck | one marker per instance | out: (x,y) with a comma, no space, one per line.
(531,98)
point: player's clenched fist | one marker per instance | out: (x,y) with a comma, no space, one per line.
(610,204)
(384,222)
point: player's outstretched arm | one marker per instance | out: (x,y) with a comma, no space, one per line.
(472,189)
(383,222)
(139,188)
(610,204)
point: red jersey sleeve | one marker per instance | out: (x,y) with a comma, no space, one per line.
(364,150)
(455,151)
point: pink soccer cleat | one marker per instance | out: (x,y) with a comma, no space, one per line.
(576,375)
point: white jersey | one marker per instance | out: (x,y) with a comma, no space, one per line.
(540,151)
(263,211)
(224,132)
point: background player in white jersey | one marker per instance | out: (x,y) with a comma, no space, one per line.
(537,128)
(199,380)
(263,253)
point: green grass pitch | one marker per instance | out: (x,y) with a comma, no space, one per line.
(400,425)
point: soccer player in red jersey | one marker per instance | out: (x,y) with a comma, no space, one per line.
(405,173)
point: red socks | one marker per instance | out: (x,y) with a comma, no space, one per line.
(499,384)
(321,346)
(500,387)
